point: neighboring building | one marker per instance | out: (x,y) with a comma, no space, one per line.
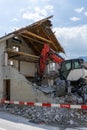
(19,57)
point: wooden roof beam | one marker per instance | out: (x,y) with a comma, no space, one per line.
(24,59)
(22,53)
(36,36)
(29,38)
(44,31)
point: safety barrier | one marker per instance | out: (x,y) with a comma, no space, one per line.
(45,104)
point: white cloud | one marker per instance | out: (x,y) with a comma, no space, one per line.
(49,7)
(32,16)
(14,28)
(86,13)
(79,10)
(73,40)
(74,19)
(37,13)
(15,20)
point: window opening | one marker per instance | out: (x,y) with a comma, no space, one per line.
(15,48)
(52,67)
(11,62)
(77,65)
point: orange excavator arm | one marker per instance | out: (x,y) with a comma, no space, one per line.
(46,53)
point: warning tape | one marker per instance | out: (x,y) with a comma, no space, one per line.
(45,104)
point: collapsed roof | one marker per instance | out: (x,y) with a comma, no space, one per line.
(36,34)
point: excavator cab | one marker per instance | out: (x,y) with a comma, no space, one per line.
(69,65)
(74,71)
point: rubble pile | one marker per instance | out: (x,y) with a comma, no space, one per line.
(50,116)
(54,92)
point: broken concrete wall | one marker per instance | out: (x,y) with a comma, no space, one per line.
(21,88)
(26,68)
(2,49)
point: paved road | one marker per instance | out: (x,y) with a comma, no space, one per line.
(12,122)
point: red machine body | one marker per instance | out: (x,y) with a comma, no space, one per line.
(48,53)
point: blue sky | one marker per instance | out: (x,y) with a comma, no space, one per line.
(69,21)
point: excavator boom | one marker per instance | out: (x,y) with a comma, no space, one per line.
(48,53)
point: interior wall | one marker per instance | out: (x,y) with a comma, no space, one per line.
(24,47)
(26,68)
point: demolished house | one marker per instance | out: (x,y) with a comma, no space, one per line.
(19,57)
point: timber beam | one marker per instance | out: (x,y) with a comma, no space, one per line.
(35,36)
(22,53)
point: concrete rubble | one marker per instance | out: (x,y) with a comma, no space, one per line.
(51,115)
(52,92)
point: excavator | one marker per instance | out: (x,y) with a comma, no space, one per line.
(72,71)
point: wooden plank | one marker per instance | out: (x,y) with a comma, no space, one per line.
(25,59)
(49,37)
(22,53)
(36,36)
(29,38)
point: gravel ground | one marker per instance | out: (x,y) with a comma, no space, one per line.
(50,116)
